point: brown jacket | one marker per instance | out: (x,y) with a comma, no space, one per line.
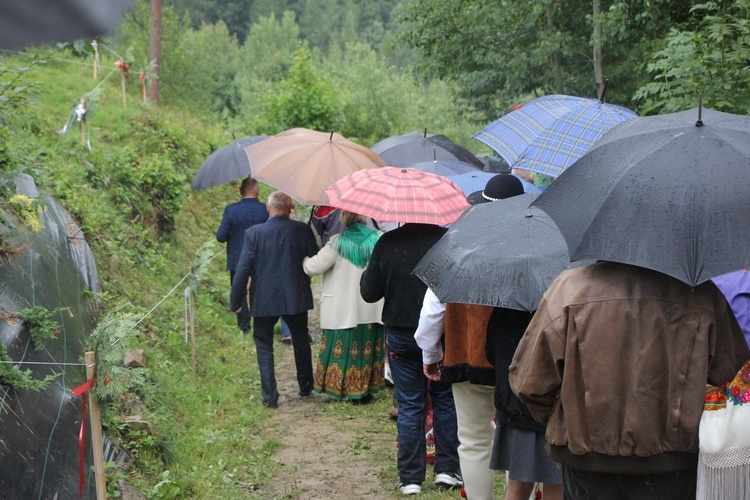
(615,363)
(464,357)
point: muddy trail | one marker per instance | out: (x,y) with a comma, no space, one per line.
(328,451)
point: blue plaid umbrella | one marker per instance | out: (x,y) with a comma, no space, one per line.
(546,135)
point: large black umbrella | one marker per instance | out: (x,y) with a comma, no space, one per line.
(407,149)
(502,254)
(226,164)
(669,193)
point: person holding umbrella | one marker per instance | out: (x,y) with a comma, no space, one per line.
(615,364)
(238,217)
(462,362)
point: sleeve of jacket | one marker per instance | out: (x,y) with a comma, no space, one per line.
(222,234)
(311,245)
(321,262)
(371,283)
(535,374)
(431,328)
(731,350)
(245,269)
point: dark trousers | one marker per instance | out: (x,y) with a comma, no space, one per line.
(263,337)
(243,317)
(412,388)
(596,486)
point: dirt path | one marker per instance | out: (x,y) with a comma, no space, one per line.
(329,452)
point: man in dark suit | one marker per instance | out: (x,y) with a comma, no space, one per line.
(238,217)
(272,256)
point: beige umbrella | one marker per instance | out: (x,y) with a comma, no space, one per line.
(302,162)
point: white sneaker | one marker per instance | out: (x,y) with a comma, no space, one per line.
(449,479)
(410,489)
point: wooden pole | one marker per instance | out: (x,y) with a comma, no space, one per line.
(96,59)
(122,84)
(96,431)
(191,316)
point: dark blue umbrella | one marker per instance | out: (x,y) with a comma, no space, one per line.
(407,149)
(472,182)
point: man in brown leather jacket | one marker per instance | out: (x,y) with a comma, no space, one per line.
(615,363)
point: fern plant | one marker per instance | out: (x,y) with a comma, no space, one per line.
(110,340)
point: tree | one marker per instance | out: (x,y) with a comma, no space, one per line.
(305,99)
(155,52)
(501,52)
(710,60)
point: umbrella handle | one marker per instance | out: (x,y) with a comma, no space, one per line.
(699,123)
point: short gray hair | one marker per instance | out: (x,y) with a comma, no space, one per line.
(280,202)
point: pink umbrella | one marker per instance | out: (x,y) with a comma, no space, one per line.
(392,194)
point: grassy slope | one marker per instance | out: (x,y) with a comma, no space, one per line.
(205,430)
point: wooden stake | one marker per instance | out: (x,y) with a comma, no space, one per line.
(191,316)
(96,59)
(122,84)
(96,431)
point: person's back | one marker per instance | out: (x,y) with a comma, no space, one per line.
(615,363)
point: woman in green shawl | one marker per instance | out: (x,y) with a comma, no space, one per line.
(352,349)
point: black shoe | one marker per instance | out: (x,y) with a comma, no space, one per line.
(286,340)
(270,405)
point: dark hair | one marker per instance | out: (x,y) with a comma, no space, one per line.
(249,185)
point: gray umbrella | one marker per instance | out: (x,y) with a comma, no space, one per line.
(226,164)
(29,22)
(502,254)
(661,192)
(407,149)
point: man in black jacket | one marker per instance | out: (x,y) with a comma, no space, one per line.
(389,275)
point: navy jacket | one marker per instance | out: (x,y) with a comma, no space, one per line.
(238,217)
(272,257)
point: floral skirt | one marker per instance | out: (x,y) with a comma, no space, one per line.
(351,362)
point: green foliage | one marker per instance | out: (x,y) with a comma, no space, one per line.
(710,61)
(166,488)
(201,264)
(305,99)
(39,323)
(110,340)
(12,376)
(113,475)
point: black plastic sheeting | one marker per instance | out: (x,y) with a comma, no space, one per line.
(39,430)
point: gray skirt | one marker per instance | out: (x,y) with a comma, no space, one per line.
(521,453)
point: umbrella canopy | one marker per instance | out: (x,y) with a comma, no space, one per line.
(546,135)
(661,192)
(501,254)
(303,162)
(445,167)
(407,149)
(392,194)
(472,182)
(226,164)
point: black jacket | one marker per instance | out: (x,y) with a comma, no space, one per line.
(504,332)
(389,274)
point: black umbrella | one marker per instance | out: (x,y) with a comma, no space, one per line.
(502,254)
(446,167)
(226,164)
(414,147)
(661,192)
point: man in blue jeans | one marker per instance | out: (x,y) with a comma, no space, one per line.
(388,275)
